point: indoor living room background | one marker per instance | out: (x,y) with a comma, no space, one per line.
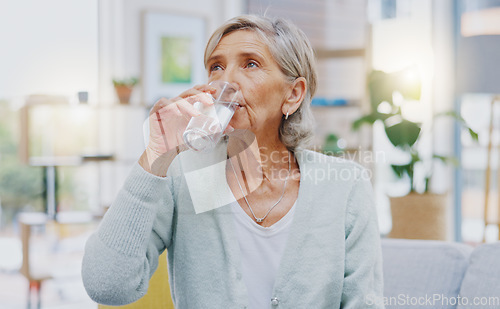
(408,88)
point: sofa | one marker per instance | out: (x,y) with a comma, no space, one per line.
(437,274)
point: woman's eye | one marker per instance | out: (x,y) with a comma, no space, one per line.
(252,64)
(215,67)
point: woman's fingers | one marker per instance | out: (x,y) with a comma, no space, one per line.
(196,90)
(161,103)
(169,117)
(202,97)
(199,93)
(170,109)
(187,108)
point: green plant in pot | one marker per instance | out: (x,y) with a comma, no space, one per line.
(331,145)
(420,214)
(124,88)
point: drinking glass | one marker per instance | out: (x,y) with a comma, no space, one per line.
(203,132)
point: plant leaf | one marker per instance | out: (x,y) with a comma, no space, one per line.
(415,157)
(403,134)
(473,134)
(461,120)
(382,86)
(368,119)
(401,170)
(447,160)
(379,84)
(331,147)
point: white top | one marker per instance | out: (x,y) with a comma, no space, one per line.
(261,251)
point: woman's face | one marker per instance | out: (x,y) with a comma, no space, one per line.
(242,58)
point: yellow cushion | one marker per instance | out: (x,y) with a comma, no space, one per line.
(158,295)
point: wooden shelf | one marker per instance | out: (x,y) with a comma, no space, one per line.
(354,105)
(339,53)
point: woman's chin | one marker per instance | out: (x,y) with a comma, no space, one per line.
(238,123)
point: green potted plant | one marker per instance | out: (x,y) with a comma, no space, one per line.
(331,146)
(420,214)
(124,88)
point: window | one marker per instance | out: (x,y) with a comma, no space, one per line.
(48,47)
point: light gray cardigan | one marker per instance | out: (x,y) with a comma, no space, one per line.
(332,257)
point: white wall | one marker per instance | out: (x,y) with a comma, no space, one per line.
(443,97)
(48,47)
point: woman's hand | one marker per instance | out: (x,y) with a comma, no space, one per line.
(167,122)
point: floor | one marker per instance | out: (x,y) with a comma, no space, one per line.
(65,291)
(56,294)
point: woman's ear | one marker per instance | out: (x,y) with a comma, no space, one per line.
(295,97)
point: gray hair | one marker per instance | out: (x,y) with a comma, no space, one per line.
(292,50)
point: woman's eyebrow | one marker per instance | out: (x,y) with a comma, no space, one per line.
(252,55)
(215,58)
(243,55)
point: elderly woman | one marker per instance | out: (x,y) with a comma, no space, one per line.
(259,222)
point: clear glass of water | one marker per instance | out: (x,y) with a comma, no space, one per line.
(205,131)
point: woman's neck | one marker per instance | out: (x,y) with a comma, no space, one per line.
(261,158)
(274,158)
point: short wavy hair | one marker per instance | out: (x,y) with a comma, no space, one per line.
(292,51)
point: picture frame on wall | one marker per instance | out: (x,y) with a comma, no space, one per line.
(172,57)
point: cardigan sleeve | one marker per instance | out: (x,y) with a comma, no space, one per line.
(123,254)
(363,279)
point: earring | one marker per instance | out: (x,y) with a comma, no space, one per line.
(286,117)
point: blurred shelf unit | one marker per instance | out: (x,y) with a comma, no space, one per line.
(56,133)
(59,133)
(341,76)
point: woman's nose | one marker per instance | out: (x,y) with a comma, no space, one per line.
(230,75)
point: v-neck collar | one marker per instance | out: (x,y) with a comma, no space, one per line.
(296,238)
